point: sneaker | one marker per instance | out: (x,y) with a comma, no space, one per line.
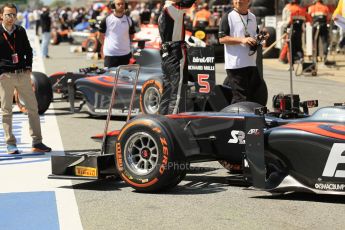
(40,147)
(12,149)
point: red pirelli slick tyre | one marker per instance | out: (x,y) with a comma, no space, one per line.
(150,97)
(147,158)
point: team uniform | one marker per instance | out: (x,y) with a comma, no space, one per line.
(298,18)
(320,15)
(202,17)
(116,47)
(242,73)
(172,33)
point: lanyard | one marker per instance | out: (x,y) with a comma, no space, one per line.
(13,48)
(245,26)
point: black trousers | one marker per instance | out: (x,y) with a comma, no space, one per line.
(115,61)
(175,75)
(244,83)
(323,35)
(37,26)
(297,49)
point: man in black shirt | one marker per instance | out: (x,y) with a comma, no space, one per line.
(172,33)
(15,70)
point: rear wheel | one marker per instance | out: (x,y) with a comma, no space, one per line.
(150,97)
(43,92)
(147,157)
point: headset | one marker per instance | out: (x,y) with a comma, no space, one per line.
(113,6)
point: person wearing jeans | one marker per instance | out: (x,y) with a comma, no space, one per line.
(46,24)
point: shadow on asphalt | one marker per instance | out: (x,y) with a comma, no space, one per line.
(195,183)
(58,114)
(297,196)
(98,185)
(206,184)
(197,169)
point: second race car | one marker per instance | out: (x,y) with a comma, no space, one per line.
(94,85)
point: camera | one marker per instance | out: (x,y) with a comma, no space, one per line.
(260,37)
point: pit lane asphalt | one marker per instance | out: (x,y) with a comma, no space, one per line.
(204,200)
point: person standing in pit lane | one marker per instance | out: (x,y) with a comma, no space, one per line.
(298,19)
(320,15)
(237,32)
(172,33)
(15,70)
(283,56)
(202,17)
(46,28)
(117,30)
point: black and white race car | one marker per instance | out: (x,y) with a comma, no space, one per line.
(281,151)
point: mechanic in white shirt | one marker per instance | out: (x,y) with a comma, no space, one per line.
(118,29)
(237,32)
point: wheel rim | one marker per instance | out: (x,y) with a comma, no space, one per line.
(141,153)
(152,99)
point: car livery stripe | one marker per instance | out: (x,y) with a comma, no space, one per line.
(112,133)
(191,116)
(106,80)
(58,74)
(320,128)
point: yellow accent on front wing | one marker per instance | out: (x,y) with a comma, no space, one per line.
(86,171)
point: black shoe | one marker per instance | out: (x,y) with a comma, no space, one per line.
(40,147)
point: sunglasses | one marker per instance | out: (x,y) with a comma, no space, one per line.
(10,15)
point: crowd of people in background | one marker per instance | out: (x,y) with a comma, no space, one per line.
(200,14)
(140,12)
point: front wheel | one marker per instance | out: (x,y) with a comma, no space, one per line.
(145,156)
(150,97)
